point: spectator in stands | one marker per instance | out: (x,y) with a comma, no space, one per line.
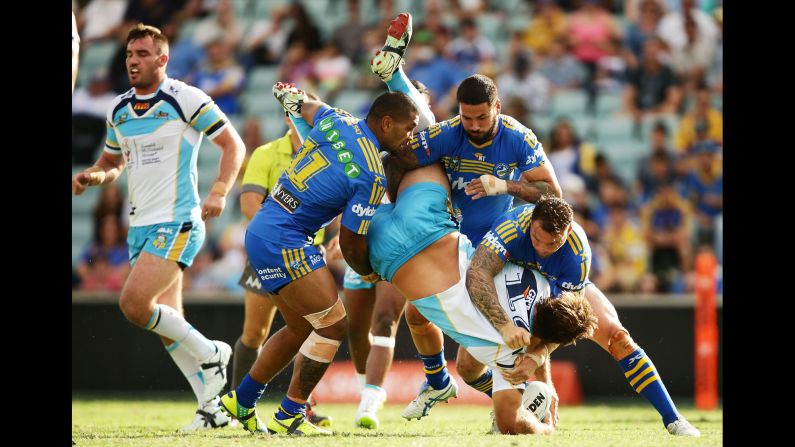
(657,167)
(703,116)
(627,249)
(638,32)
(89,107)
(611,69)
(151,12)
(666,227)
(100,18)
(703,187)
(691,61)
(296,66)
(652,88)
(611,193)
(567,152)
(184,54)
(111,201)
(264,42)
(591,28)
(221,77)
(252,136)
(196,277)
(303,30)
(517,107)
(672,26)
(576,195)
(222,23)
(347,36)
(440,75)
(103,264)
(526,83)
(715,74)
(561,68)
(549,24)
(470,50)
(331,69)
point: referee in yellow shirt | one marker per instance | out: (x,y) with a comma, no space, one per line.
(264,168)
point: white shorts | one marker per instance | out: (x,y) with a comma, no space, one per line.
(456,315)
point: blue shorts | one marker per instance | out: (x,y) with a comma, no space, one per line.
(175,241)
(354,281)
(399,231)
(278,263)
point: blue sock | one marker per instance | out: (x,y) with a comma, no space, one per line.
(483,383)
(289,408)
(644,379)
(301,126)
(249,391)
(436,370)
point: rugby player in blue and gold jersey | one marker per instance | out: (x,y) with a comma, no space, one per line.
(337,170)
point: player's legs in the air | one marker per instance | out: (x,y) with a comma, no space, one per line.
(158,253)
(439,386)
(635,363)
(389,305)
(387,64)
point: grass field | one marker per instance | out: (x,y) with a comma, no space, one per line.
(152,421)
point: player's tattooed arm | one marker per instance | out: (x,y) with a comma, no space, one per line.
(480,285)
(535,183)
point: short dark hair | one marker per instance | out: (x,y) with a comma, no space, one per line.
(422,88)
(554,214)
(140,31)
(563,319)
(477,89)
(395,104)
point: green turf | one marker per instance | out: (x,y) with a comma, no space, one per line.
(152,421)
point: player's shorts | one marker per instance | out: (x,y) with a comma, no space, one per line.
(175,241)
(354,281)
(453,312)
(249,280)
(401,230)
(283,260)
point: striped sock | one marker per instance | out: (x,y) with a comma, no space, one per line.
(436,370)
(644,379)
(249,391)
(289,408)
(483,383)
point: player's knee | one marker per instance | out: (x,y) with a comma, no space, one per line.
(383,324)
(415,319)
(253,336)
(620,344)
(330,322)
(320,348)
(468,369)
(133,310)
(506,420)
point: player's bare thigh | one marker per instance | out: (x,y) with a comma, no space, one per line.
(312,293)
(149,278)
(605,312)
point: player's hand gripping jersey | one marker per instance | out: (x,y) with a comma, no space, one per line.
(337,170)
(513,150)
(566,269)
(159,136)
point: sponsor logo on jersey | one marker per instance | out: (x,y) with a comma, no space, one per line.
(494,240)
(165,230)
(567,285)
(345,156)
(502,170)
(141,106)
(271,273)
(459,183)
(315,259)
(363,211)
(284,198)
(253,282)
(161,114)
(455,164)
(123,117)
(479,156)
(332,135)
(352,170)
(531,158)
(424,143)
(326,124)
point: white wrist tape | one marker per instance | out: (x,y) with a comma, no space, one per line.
(384,342)
(493,185)
(540,359)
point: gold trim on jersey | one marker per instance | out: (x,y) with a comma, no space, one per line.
(370,155)
(454,121)
(179,246)
(479,146)
(376,194)
(363,227)
(206,109)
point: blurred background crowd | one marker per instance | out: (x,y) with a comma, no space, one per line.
(625,96)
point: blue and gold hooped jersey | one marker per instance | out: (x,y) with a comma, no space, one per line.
(566,269)
(159,136)
(513,150)
(337,170)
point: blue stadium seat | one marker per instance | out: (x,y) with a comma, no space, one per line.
(273,127)
(569,102)
(260,102)
(261,79)
(354,101)
(96,56)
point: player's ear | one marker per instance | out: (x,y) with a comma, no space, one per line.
(498,106)
(386,123)
(162,60)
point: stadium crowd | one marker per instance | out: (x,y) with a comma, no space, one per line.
(624,95)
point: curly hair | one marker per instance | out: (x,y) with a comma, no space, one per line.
(564,319)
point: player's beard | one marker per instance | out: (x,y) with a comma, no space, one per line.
(485,136)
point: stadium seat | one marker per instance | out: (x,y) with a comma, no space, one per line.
(569,102)
(354,102)
(259,102)
(273,127)
(609,104)
(612,128)
(261,79)
(96,56)
(492,27)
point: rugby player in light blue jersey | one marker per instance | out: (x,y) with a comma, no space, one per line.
(489,159)
(337,171)
(155,131)
(544,237)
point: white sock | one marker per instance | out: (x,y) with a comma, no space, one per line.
(167,322)
(190,368)
(373,392)
(362,379)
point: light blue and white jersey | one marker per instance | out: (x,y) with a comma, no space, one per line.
(159,136)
